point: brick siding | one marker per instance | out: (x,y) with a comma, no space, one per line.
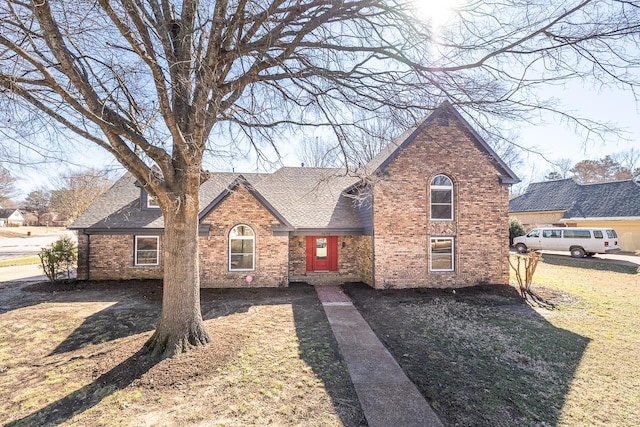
(271,252)
(112,259)
(402,225)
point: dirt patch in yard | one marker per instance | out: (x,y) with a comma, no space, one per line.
(70,354)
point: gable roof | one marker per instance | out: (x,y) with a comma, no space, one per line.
(442,112)
(311,197)
(6,213)
(301,198)
(602,200)
(120,207)
(306,198)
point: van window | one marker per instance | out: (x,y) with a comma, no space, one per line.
(611,234)
(555,234)
(534,233)
(577,234)
(597,234)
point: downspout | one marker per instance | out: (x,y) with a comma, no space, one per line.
(373,243)
(87,255)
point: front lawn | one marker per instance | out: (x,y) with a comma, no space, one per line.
(71,358)
(482,357)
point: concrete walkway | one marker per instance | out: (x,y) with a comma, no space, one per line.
(387,396)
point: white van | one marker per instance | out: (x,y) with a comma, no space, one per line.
(579,241)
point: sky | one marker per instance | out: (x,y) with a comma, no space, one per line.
(551,138)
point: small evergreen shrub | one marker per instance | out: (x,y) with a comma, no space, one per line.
(515,229)
(59,259)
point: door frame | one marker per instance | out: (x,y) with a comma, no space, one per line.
(332,253)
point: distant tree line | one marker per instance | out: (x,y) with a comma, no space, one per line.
(617,167)
(71,194)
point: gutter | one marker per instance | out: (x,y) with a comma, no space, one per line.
(604,218)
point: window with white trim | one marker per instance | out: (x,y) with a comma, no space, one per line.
(242,248)
(441,190)
(441,254)
(147,250)
(152,202)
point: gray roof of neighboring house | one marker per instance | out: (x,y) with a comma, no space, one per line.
(6,213)
(603,200)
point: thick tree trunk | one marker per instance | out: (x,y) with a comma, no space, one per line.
(181,325)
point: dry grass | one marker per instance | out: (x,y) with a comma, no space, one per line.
(72,358)
(482,357)
(605,389)
(25,260)
(26,229)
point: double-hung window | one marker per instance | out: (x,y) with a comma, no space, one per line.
(147,250)
(442,254)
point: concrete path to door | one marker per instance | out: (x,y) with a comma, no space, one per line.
(387,396)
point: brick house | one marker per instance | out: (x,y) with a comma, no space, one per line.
(430,210)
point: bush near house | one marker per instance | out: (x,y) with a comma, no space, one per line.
(59,259)
(515,229)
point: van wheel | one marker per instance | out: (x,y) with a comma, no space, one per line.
(521,248)
(577,252)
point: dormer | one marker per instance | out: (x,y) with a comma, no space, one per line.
(148,202)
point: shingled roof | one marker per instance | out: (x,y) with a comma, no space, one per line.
(307,198)
(301,198)
(603,200)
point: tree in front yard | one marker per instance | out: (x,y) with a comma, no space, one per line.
(158,83)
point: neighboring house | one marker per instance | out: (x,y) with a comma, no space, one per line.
(431,210)
(565,202)
(11,217)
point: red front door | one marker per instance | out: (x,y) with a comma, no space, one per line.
(322,253)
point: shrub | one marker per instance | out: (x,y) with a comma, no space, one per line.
(515,229)
(59,259)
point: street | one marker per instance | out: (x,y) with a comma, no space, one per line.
(15,247)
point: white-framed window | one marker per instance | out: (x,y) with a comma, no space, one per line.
(242,248)
(147,250)
(441,254)
(441,193)
(152,202)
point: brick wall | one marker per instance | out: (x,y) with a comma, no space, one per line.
(271,252)
(112,255)
(402,224)
(112,258)
(354,252)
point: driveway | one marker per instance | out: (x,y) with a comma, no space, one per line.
(15,247)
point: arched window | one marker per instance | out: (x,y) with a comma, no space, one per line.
(441,198)
(241,248)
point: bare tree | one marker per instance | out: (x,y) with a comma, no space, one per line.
(561,169)
(318,153)
(7,186)
(158,82)
(630,160)
(76,191)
